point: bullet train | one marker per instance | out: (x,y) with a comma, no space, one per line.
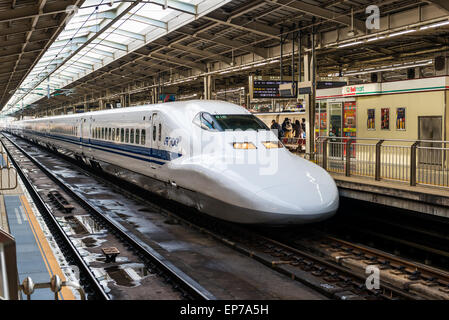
(211,155)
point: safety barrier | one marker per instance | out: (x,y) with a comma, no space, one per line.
(413,161)
(8,267)
(294,144)
(55,285)
(8,174)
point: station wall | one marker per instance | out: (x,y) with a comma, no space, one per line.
(416,105)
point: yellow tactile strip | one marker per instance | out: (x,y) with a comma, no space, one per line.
(49,259)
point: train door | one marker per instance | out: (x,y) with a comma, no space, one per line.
(88,126)
(156,135)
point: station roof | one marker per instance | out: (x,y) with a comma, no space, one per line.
(27,28)
(112,47)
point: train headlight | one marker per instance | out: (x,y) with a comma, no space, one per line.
(272,144)
(244,145)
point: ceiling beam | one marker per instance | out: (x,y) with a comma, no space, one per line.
(201,53)
(316,11)
(443,4)
(178,61)
(231,43)
(31,11)
(244,24)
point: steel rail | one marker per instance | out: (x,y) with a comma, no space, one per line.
(233,236)
(187,283)
(425,270)
(45,210)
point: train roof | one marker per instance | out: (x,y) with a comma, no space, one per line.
(211,106)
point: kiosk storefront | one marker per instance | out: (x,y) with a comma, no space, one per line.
(408,110)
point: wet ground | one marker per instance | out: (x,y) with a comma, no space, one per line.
(221,270)
(126,278)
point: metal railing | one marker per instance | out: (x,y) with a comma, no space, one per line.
(413,161)
(8,174)
(8,267)
(55,285)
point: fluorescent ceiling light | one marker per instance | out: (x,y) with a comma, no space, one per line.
(350,44)
(435,25)
(401,32)
(390,68)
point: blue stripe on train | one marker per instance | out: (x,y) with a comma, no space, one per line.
(155,153)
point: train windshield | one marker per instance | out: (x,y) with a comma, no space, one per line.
(239,122)
(229,122)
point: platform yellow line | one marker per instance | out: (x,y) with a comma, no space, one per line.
(49,259)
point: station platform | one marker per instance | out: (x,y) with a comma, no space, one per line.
(424,199)
(35,257)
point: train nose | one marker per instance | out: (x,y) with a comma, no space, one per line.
(315,198)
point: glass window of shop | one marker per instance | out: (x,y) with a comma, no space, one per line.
(335,119)
(321,119)
(335,128)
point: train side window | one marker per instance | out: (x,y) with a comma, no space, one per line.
(122,135)
(143,136)
(113,134)
(154,133)
(109,134)
(117,137)
(160,132)
(131,137)
(127,136)
(102,133)
(137,136)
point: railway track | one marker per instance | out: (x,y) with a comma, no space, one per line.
(406,234)
(322,273)
(422,281)
(89,224)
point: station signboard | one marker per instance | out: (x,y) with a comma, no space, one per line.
(268,87)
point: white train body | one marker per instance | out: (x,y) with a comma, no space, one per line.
(190,152)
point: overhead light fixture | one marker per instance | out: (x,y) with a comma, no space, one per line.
(435,25)
(401,33)
(376,38)
(390,68)
(349,44)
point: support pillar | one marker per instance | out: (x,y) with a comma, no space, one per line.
(154,95)
(208,87)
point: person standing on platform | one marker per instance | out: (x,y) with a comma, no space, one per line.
(297,129)
(276,128)
(303,127)
(283,124)
(288,129)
